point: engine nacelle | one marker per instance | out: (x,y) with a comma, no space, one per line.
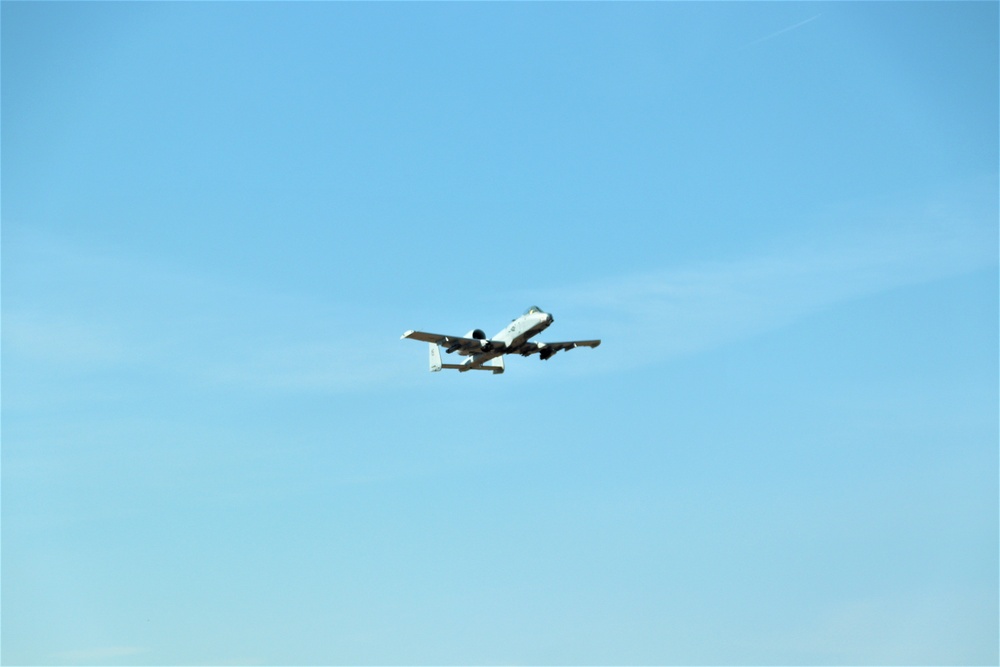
(480,335)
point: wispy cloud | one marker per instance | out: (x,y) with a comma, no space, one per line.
(98,655)
(930,627)
(311,365)
(652,316)
(83,313)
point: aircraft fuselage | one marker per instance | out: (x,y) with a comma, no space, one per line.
(515,338)
(517,333)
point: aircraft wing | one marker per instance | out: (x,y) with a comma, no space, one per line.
(458,344)
(548,349)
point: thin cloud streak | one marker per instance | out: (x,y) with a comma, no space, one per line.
(78,313)
(98,655)
(784,30)
(175,325)
(916,628)
(647,318)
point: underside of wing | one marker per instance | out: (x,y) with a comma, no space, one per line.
(546,350)
(458,344)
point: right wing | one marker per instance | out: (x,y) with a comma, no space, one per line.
(458,344)
(546,350)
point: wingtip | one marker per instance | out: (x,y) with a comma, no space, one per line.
(407,334)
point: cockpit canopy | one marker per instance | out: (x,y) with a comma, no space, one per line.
(533,310)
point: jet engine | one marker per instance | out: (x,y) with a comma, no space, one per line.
(480,335)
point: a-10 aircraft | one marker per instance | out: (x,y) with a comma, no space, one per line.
(512,340)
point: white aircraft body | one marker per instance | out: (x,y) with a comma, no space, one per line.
(512,340)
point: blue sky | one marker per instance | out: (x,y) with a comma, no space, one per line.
(782,220)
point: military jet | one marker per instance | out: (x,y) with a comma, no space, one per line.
(512,340)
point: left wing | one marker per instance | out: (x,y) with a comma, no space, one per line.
(546,350)
(458,344)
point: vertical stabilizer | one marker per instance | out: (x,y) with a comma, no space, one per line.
(435,358)
(497,365)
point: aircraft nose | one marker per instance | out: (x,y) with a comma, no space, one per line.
(547,318)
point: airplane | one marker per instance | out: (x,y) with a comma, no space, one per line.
(512,340)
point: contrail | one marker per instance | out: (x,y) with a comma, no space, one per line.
(784,30)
